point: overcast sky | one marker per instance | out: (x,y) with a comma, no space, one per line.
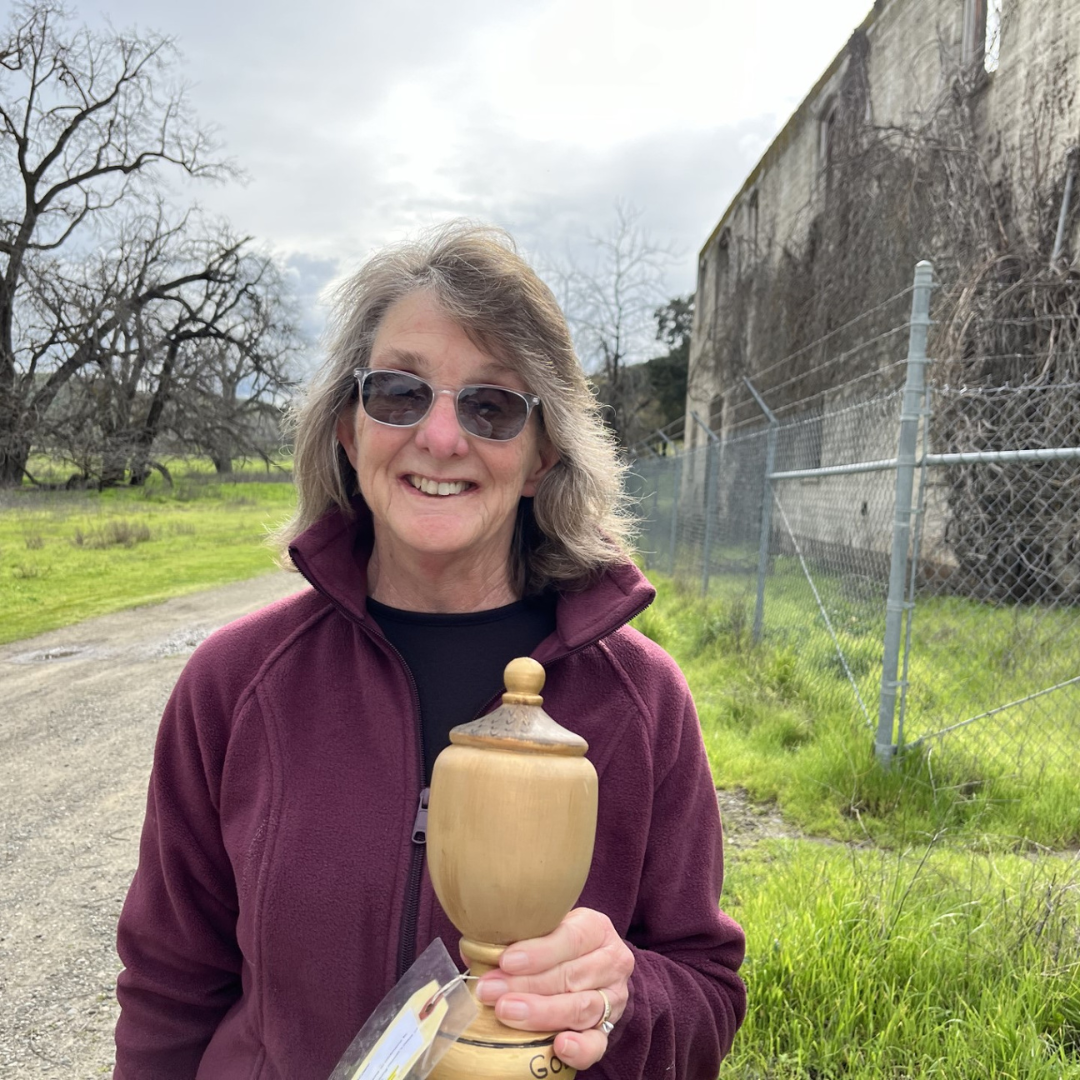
(359,122)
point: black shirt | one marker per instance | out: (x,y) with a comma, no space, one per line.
(457,660)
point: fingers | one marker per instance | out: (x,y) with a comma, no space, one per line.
(582,953)
(582,931)
(550,984)
(555,1012)
(580,1049)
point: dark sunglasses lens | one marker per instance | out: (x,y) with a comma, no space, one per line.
(393,397)
(492,412)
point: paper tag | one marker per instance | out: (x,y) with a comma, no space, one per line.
(414,1025)
(401,1044)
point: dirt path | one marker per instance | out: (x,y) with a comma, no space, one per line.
(79,709)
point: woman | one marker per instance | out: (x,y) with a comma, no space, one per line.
(459,505)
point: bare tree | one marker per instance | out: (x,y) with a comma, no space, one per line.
(611,305)
(241,350)
(185,331)
(87,121)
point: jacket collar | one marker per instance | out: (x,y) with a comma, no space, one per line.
(333,555)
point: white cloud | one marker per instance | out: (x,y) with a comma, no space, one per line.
(359,122)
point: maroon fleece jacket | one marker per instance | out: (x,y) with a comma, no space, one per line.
(264,921)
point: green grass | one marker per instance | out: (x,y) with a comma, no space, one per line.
(934,962)
(69,555)
(938,937)
(780,719)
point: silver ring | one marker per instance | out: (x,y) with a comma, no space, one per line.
(604,1024)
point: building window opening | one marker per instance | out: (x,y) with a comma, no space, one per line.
(723,268)
(716,413)
(753,207)
(723,253)
(992,46)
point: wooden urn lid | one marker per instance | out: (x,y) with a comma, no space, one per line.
(519,724)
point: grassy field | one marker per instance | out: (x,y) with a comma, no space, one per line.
(936,961)
(781,720)
(917,923)
(69,555)
(920,926)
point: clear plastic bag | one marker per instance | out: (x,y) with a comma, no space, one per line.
(414,1025)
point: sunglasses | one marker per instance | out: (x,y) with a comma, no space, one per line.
(399,399)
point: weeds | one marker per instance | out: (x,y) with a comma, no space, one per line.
(930,943)
(780,719)
(118,533)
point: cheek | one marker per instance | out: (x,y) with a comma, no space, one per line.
(378,450)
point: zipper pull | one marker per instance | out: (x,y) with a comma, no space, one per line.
(419,829)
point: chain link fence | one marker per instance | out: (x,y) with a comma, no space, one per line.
(915,545)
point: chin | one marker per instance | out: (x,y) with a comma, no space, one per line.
(431,539)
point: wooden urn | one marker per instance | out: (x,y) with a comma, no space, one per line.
(511,825)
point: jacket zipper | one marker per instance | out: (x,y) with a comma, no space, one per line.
(411,910)
(410,913)
(407,941)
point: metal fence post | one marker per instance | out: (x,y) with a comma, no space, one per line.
(650,493)
(674,501)
(766,508)
(896,604)
(710,498)
(676,495)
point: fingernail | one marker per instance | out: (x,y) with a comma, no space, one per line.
(570,1047)
(490,990)
(514,1010)
(513,961)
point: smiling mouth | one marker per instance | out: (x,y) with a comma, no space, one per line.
(438,487)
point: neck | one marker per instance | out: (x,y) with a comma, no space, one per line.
(436,585)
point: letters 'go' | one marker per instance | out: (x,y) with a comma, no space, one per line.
(510,838)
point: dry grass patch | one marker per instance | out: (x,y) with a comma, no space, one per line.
(118,533)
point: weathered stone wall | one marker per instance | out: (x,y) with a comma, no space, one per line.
(916,50)
(906,58)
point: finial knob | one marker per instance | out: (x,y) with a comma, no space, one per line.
(523,678)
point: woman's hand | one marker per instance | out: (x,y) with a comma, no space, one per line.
(551,984)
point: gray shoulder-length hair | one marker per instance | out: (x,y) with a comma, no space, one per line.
(580,519)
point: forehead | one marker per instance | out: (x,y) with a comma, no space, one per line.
(416,334)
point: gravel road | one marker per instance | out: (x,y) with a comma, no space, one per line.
(79,709)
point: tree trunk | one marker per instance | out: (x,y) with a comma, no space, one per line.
(14,454)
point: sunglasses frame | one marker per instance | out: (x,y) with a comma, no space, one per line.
(363,374)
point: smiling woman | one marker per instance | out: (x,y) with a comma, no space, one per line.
(443,500)
(460,504)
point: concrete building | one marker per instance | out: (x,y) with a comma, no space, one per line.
(908,55)
(931,103)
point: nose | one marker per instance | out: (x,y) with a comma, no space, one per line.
(439,432)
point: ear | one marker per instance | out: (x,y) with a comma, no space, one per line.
(546,458)
(346,433)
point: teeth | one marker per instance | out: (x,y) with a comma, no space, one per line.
(435,487)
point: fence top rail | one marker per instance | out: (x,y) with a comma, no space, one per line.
(973,457)
(1019,388)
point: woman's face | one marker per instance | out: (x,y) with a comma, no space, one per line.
(470,526)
